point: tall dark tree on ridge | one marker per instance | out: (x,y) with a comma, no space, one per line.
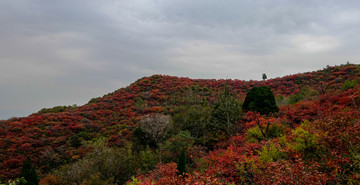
(264,77)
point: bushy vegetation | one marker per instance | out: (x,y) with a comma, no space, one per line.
(106,165)
(271,153)
(56,109)
(350,84)
(261,100)
(305,92)
(226,113)
(161,126)
(254,134)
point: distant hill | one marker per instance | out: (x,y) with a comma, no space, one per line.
(315,136)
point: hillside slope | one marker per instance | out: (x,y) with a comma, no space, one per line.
(320,108)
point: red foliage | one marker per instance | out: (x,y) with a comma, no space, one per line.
(305,110)
(292,172)
(335,114)
(163,174)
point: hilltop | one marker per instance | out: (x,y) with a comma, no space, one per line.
(315,136)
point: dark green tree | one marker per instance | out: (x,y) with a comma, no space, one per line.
(29,173)
(75,141)
(181,165)
(264,77)
(261,100)
(226,112)
(143,139)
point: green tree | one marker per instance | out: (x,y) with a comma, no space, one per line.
(226,112)
(142,139)
(171,147)
(181,165)
(264,77)
(29,173)
(261,100)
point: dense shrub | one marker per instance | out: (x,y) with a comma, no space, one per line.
(171,148)
(305,142)
(304,93)
(274,130)
(55,109)
(195,119)
(142,139)
(349,84)
(281,100)
(296,172)
(94,100)
(156,125)
(271,153)
(260,99)
(48,180)
(105,165)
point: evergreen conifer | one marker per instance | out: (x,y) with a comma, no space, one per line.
(29,173)
(181,166)
(261,100)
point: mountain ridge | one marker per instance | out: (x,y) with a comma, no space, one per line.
(52,137)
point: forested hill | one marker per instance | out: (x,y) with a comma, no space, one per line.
(162,124)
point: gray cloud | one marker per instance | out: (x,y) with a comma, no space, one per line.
(65,52)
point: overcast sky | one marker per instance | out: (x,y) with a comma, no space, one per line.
(65,52)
